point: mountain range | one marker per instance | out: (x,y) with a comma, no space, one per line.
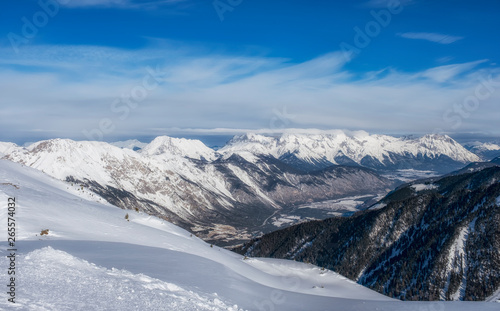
(185,182)
(253,185)
(380,152)
(486,151)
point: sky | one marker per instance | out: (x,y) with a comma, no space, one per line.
(118,69)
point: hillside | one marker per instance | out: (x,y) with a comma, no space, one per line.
(429,240)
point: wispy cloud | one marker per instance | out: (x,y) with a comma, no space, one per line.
(429,36)
(236,131)
(129,4)
(62,90)
(90,3)
(444,59)
(449,72)
(386,3)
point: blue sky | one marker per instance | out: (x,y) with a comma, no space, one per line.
(117,69)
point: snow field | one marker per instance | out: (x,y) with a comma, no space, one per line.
(55,280)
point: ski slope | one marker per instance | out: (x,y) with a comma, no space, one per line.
(93,258)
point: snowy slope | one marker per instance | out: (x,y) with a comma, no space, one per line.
(94,259)
(7,148)
(165,180)
(63,157)
(358,147)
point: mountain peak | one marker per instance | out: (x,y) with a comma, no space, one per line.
(170,146)
(250,137)
(6,148)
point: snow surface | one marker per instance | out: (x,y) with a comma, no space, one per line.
(94,259)
(338,207)
(48,277)
(408,175)
(285,220)
(422,187)
(378,206)
(457,252)
(347,203)
(495,297)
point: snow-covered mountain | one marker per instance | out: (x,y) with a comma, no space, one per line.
(94,256)
(167,187)
(7,148)
(485,146)
(485,150)
(172,147)
(437,152)
(185,182)
(245,188)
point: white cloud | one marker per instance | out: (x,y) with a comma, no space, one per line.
(236,131)
(433,37)
(74,91)
(448,72)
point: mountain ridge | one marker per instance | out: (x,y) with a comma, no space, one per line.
(246,192)
(360,148)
